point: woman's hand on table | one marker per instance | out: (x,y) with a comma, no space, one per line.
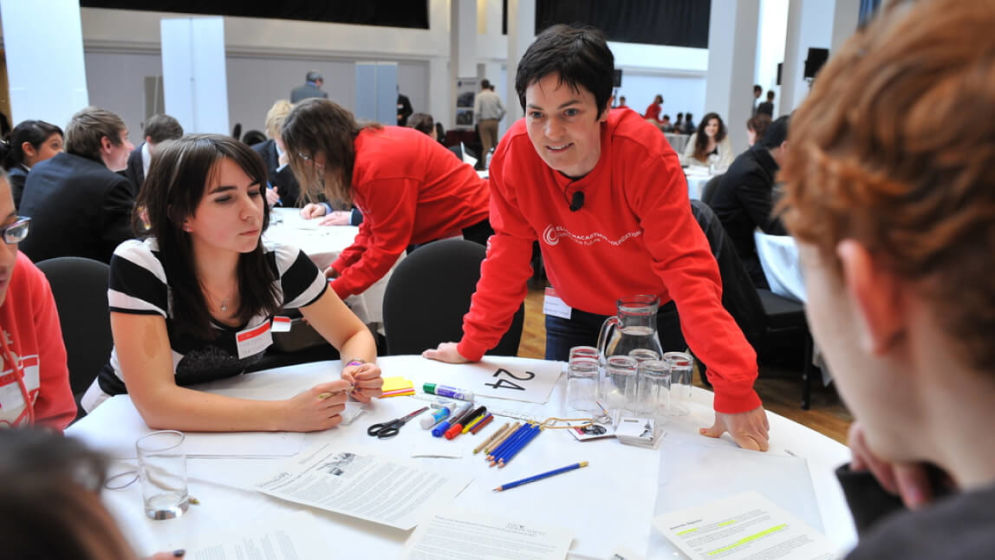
(366,379)
(331,273)
(312,210)
(318,408)
(907,480)
(337,218)
(446,352)
(748,429)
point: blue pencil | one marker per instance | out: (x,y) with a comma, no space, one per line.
(553,472)
(521,431)
(510,454)
(500,458)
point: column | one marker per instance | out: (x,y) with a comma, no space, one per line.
(462,47)
(521,33)
(732,48)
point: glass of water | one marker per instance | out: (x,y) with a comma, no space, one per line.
(162,468)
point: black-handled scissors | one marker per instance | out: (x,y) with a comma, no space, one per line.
(390,429)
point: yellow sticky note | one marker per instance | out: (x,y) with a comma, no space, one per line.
(395,383)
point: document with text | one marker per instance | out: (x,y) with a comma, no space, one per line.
(472,536)
(363,486)
(744,526)
(287,537)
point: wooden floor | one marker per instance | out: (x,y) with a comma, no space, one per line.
(779,388)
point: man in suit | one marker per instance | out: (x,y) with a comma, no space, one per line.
(767,107)
(283,188)
(158,128)
(404,109)
(311,88)
(78,205)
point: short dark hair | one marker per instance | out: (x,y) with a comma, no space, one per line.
(163,127)
(87,127)
(175,185)
(32,132)
(579,55)
(770,95)
(757,88)
(313,76)
(485,84)
(759,124)
(422,122)
(776,133)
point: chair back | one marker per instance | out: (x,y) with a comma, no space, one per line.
(428,294)
(708,192)
(79,287)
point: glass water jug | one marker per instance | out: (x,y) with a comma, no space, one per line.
(631,333)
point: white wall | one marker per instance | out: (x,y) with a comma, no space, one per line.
(680,93)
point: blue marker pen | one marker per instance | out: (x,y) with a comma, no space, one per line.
(444,425)
(436,417)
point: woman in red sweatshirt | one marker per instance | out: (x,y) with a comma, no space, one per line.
(410,188)
(34,379)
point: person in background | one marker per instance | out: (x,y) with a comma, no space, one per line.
(604,195)
(652,113)
(757,92)
(709,144)
(767,107)
(756,127)
(410,189)
(404,109)
(158,128)
(689,126)
(621,101)
(313,81)
(50,501)
(679,124)
(744,197)
(29,143)
(889,192)
(666,125)
(192,302)
(34,380)
(489,111)
(79,206)
(282,186)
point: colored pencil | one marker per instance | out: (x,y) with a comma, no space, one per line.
(497,442)
(480,425)
(510,453)
(541,476)
(508,442)
(491,438)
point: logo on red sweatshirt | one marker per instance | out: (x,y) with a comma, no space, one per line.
(553,234)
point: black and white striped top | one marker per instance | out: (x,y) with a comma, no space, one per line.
(139,285)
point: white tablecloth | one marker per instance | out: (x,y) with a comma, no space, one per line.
(323,244)
(779,260)
(697,178)
(608,504)
(677,141)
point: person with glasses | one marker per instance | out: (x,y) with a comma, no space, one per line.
(410,189)
(34,378)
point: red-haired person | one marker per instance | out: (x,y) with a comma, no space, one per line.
(891,194)
(34,379)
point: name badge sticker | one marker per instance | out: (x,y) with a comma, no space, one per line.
(553,305)
(253,340)
(281,324)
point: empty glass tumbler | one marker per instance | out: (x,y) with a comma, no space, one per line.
(582,385)
(619,383)
(162,467)
(654,387)
(681,368)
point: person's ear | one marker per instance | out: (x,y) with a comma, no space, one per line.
(877,296)
(105,144)
(28,149)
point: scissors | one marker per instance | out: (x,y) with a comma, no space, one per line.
(389,429)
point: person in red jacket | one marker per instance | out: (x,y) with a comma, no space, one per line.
(652,114)
(604,194)
(410,188)
(34,379)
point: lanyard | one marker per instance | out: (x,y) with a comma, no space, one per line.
(18,368)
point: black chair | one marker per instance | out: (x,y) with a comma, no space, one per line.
(764,317)
(428,294)
(80,289)
(236,132)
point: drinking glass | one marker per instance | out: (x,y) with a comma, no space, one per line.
(681,368)
(619,385)
(162,467)
(654,387)
(582,385)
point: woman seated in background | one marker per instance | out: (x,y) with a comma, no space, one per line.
(709,144)
(410,188)
(34,380)
(193,301)
(29,143)
(756,127)
(890,191)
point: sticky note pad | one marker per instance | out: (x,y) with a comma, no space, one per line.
(391,384)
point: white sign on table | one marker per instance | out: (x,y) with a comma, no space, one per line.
(504,378)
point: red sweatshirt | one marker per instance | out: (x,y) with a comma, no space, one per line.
(634,235)
(411,190)
(29,324)
(653,112)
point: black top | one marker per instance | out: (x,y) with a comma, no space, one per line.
(404,109)
(135,172)
(743,201)
(287,186)
(78,208)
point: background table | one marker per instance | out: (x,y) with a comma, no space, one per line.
(617,489)
(323,244)
(697,177)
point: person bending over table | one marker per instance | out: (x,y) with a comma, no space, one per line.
(890,192)
(192,302)
(410,189)
(603,193)
(34,381)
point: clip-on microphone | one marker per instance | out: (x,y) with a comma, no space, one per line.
(577,201)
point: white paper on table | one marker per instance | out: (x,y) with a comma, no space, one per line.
(466,534)
(285,537)
(364,486)
(114,426)
(743,526)
(518,379)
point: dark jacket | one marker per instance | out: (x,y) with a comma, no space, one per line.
(766,107)
(743,202)
(78,208)
(135,172)
(284,180)
(305,91)
(404,109)
(17,176)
